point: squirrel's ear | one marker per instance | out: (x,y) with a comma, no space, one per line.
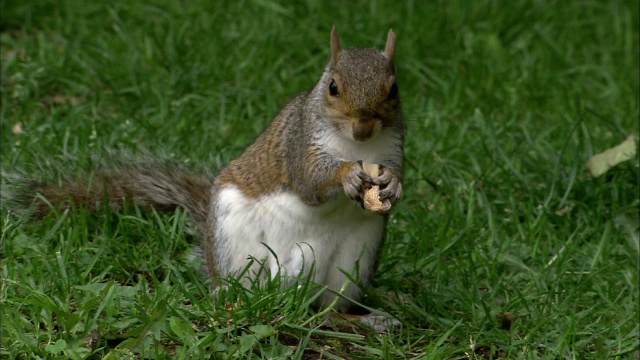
(390,48)
(335,44)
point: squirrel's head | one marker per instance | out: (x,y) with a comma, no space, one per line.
(361,89)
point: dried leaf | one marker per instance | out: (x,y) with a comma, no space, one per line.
(601,163)
(565,210)
(92,340)
(505,320)
(17,128)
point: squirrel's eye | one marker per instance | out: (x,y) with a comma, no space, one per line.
(333,88)
(393,92)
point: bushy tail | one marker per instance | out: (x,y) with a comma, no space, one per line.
(162,187)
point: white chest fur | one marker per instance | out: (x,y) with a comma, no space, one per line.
(381,148)
(334,235)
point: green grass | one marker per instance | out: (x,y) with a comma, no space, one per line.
(504,246)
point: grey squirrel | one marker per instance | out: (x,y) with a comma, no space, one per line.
(297,189)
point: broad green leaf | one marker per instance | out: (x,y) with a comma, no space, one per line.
(262,331)
(247,342)
(56,348)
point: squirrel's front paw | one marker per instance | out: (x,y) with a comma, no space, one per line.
(390,185)
(354,180)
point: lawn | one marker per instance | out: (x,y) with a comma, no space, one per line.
(504,246)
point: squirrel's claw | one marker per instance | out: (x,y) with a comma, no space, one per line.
(392,192)
(354,182)
(390,185)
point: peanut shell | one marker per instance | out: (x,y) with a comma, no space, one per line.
(371,201)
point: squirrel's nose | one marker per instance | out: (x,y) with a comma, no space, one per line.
(364,129)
